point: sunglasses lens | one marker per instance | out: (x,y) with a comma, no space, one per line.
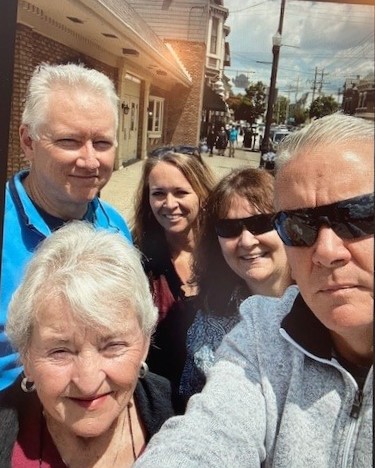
(258,224)
(160,151)
(349,219)
(187,149)
(354,228)
(229,228)
(182,149)
(295,231)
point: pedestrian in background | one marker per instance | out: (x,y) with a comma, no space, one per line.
(248,138)
(222,141)
(238,254)
(232,140)
(211,139)
(292,383)
(68,134)
(172,190)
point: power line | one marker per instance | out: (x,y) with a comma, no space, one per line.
(247,8)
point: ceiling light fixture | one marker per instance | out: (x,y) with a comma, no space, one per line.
(134,52)
(75,20)
(110,35)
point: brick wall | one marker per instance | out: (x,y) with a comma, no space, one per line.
(30,50)
(183,106)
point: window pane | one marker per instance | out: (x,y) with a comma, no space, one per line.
(214,34)
(150,115)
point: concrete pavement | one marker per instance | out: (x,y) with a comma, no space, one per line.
(120,190)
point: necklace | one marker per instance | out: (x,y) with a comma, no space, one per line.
(43,427)
(131,433)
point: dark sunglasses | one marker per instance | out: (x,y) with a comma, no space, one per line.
(183,149)
(349,219)
(258,224)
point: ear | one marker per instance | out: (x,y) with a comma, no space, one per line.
(27,143)
(146,348)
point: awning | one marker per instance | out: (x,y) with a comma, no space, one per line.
(212,101)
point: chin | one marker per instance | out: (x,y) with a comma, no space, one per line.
(346,316)
(85,194)
(90,428)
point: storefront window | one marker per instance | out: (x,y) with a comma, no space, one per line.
(155,115)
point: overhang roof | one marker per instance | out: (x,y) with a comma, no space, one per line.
(212,101)
(109,26)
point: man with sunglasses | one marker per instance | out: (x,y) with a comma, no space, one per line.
(292,384)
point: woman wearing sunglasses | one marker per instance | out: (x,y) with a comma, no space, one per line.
(174,186)
(239,254)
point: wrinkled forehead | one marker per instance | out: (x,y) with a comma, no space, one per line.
(324,174)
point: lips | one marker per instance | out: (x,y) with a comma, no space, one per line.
(88,176)
(173,217)
(336,287)
(253,256)
(92,402)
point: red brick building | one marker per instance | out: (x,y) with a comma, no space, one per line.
(159,78)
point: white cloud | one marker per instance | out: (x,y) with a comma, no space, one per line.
(336,38)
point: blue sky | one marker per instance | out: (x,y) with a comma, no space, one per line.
(338,39)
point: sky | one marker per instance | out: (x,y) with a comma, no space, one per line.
(333,41)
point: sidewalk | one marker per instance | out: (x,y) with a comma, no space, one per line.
(120,190)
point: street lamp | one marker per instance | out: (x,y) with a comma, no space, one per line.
(276,44)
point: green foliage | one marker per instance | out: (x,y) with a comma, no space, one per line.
(250,106)
(323,105)
(280,109)
(234,102)
(300,115)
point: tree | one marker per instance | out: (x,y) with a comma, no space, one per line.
(234,102)
(280,109)
(323,105)
(252,104)
(300,115)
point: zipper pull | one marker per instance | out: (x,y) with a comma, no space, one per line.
(357,403)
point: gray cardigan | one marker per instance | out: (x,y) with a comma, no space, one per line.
(275,398)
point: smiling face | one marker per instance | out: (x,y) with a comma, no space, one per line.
(74,157)
(335,275)
(173,201)
(259,260)
(84,378)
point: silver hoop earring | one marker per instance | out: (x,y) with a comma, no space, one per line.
(143,371)
(27,385)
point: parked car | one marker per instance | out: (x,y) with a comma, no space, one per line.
(278,136)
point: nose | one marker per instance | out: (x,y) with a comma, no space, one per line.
(88,157)
(330,250)
(170,201)
(247,239)
(88,375)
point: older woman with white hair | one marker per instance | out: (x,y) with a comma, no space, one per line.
(82,320)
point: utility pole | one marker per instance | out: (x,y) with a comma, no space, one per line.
(313,87)
(318,83)
(321,82)
(276,40)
